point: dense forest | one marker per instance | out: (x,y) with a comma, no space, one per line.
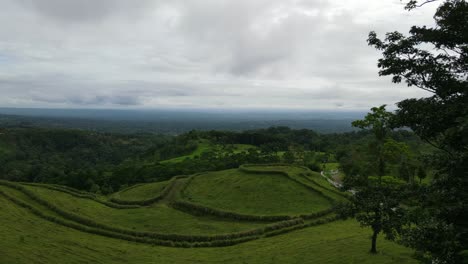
(108,162)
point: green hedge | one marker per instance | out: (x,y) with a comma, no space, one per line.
(79,194)
(198,209)
(296,227)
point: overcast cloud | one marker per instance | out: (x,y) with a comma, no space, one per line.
(309,54)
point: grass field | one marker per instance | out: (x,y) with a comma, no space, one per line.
(28,237)
(237,191)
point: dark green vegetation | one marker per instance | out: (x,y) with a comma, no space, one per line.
(427,215)
(105,163)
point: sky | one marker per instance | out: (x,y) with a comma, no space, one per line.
(211,54)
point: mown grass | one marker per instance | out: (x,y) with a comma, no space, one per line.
(155,218)
(30,239)
(142,191)
(246,193)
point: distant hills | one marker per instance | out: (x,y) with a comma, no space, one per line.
(177,121)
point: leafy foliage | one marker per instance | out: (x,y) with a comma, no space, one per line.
(435,59)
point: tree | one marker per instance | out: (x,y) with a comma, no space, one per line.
(421,173)
(377,206)
(289,157)
(379,122)
(435,59)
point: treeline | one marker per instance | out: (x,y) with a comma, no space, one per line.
(80,159)
(105,162)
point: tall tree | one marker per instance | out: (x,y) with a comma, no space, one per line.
(379,122)
(435,59)
(378,206)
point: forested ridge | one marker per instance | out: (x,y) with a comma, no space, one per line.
(108,162)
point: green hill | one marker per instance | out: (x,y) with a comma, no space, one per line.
(254,214)
(239,191)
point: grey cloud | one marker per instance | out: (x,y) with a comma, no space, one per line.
(253,53)
(93,100)
(85,10)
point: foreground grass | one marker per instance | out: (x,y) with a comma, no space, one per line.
(235,190)
(29,239)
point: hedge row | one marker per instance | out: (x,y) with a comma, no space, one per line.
(146,202)
(128,188)
(317,214)
(297,227)
(198,209)
(84,195)
(39,213)
(151,235)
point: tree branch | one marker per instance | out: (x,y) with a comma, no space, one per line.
(426,2)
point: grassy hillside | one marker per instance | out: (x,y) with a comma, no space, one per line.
(235,190)
(53,224)
(154,218)
(29,239)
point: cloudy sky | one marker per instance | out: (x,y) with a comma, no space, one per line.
(309,54)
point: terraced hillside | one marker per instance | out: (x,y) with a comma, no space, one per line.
(256,214)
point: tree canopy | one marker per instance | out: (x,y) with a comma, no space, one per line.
(435,59)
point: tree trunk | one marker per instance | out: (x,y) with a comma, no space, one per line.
(381,169)
(374,242)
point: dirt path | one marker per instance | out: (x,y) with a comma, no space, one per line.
(333,182)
